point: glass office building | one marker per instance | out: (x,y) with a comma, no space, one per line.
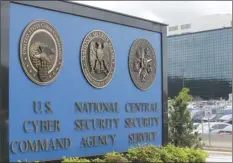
(201,61)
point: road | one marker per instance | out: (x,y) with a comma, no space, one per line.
(219,157)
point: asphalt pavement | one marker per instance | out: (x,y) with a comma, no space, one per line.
(217,156)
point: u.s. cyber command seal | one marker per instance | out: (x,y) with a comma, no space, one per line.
(97,59)
(142,64)
(41,52)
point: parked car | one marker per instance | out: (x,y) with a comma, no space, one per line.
(225,131)
(226,118)
(204,129)
(227,110)
(196,115)
(211,118)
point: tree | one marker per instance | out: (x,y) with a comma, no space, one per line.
(180,124)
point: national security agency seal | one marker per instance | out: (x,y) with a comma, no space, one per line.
(142,64)
(41,52)
(97,59)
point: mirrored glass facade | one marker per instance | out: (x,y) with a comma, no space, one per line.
(201,61)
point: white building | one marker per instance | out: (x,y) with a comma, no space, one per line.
(203,23)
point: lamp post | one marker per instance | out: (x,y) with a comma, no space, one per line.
(208,113)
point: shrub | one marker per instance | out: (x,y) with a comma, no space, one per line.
(150,153)
(75,159)
(144,154)
(171,153)
(97,160)
(196,155)
(166,156)
(115,157)
(174,154)
(180,123)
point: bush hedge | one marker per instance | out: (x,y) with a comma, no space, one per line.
(144,154)
(149,153)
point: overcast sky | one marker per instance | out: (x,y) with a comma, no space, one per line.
(170,12)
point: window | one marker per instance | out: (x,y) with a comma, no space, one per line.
(185,26)
(209,58)
(221,126)
(173,28)
(214,127)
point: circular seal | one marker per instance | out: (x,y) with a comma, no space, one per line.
(142,64)
(97,59)
(41,52)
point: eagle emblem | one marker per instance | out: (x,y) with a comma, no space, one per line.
(41,52)
(41,57)
(98,57)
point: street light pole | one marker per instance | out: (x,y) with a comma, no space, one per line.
(203,115)
(209,128)
(183,82)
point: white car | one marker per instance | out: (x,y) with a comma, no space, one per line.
(225,131)
(226,118)
(206,128)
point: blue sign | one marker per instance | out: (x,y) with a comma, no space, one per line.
(69,117)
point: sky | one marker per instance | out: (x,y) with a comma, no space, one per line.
(169,12)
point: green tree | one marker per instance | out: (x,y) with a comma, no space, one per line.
(180,124)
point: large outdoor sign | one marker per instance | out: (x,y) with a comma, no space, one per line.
(77,83)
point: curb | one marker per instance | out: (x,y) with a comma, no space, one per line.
(219,153)
(219,149)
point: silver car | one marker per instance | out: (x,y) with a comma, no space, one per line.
(225,131)
(206,128)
